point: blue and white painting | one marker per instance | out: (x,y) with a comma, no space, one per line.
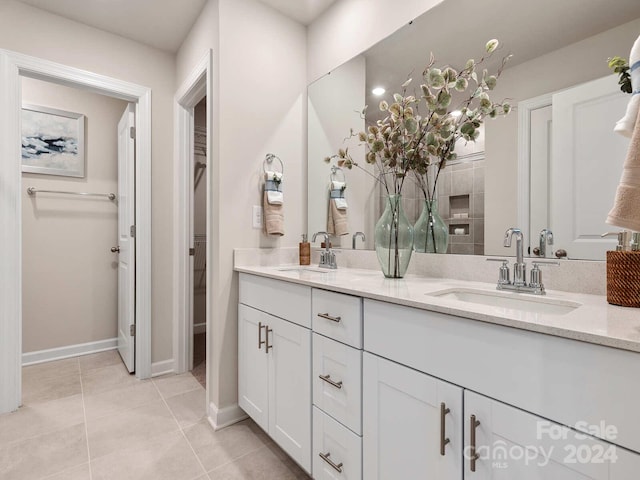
(52,142)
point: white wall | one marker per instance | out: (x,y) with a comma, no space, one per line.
(349,27)
(572,65)
(259,107)
(69,275)
(34,32)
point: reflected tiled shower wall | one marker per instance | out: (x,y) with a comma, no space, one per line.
(460,203)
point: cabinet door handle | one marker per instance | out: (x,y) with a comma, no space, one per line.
(325,457)
(474,456)
(329,317)
(266,338)
(443,437)
(260,341)
(327,378)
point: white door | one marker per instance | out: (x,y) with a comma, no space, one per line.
(126,241)
(290,389)
(253,364)
(403,437)
(586,167)
(514,444)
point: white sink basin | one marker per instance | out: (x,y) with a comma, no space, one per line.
(509,301)
(303,270)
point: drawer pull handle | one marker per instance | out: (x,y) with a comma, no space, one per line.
(266,340)
(327,378)
(474,456)
(443,436)
(329,317)
(325,457)
(260,341)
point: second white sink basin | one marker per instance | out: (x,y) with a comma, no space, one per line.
(508,300)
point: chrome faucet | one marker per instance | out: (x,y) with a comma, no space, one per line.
(546,238)
(353,239)
(327,257)
(519,268)
(519,283)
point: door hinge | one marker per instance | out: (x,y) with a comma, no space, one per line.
(192,252)
(132,132)
(132,231)
(132,330)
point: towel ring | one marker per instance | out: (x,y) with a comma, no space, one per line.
(269,160)
(334,174)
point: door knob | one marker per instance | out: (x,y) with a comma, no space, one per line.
(115,249)
(561,253)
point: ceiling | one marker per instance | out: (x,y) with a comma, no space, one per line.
(165,23)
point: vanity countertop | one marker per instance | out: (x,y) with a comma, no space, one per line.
(595,321)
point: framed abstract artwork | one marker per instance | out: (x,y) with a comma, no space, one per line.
(52,141)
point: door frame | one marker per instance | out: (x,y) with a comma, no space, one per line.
(195,87)
(13,66)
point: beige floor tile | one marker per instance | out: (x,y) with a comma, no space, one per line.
(80,472)
(107,378)
(122,430)
(44,455)
(164,457)
(114,401)
(217,448)
(99,360)
(189,407)
(36,389)
(262,464)
(58,368)
(172,385)
(39,418)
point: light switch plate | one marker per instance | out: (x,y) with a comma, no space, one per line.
(257,216)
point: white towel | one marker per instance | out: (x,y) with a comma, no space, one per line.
(274,197)
(626,124)
(341,203)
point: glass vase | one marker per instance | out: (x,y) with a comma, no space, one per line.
(430,233)
(394,239)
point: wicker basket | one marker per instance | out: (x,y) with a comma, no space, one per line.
(623,278)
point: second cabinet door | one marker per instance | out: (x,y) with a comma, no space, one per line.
(290,389)
(412,424)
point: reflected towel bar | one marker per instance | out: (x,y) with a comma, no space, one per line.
(111,196)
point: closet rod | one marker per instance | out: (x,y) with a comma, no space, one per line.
(110,196)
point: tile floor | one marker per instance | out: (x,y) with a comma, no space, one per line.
(86,418)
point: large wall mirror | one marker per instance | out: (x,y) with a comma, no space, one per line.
(518,173)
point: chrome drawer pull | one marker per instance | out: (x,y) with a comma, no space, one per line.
(260,341)
(327,378)
(474,457)
(325,457)
(444,441)
(329,317)
(266,339)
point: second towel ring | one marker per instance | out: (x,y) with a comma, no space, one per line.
(334,174)
(269,160)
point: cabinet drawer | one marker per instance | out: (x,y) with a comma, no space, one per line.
(281,299)
(337,316)
(337,381)
(335,448)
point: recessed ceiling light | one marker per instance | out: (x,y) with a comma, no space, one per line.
(378,91)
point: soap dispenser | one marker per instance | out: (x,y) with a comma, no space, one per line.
(305,251)
(623,270)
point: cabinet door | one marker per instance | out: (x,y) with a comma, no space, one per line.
(290,389)
(514,444)
(253,365)
(402,432)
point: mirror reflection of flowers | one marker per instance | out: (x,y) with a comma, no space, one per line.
(407,140)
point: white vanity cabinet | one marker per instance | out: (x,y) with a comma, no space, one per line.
(337,385)
(412,423)
(274,368)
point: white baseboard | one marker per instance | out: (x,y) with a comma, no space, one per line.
(199,328)
(223,417)
(162,368)
(60,353)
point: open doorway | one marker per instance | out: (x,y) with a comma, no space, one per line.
(199,222)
